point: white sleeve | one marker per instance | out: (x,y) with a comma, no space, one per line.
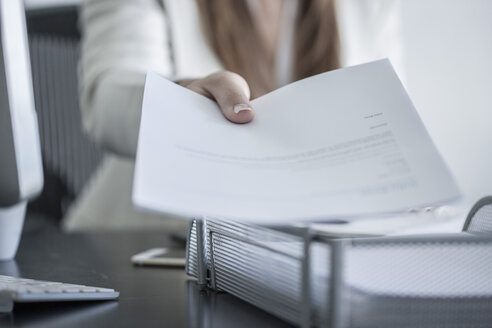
(121,41)
(370,30)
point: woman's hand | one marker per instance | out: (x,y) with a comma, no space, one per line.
(229,90)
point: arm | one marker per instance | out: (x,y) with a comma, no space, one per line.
(122,40)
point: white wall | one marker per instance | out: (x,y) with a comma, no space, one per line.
(449,74)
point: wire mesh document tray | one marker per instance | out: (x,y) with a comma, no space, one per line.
(311,280)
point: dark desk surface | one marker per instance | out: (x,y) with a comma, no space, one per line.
(149,297)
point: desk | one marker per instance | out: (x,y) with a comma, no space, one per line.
(149,297)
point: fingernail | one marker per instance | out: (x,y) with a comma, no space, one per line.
(240,107)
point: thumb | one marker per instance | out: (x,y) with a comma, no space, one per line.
(231,92)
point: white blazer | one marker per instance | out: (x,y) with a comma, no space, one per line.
(124,39)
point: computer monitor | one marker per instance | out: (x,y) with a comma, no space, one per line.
(21,173)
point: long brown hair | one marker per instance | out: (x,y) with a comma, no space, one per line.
(232,35)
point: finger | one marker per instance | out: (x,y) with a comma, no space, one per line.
(231,92)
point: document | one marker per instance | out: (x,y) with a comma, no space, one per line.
(342,144)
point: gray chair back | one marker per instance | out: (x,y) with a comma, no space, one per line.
(69,157)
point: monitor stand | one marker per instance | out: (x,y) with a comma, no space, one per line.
(11,222)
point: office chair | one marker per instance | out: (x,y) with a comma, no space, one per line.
(480,217)
(69,157)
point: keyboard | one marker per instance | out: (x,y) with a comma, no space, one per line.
(22,290)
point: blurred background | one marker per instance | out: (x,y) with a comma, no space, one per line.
(448,73)
(448,51)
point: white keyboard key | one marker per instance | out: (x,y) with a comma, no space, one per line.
(34,290)
(72,290)
(105,290)
(88,290)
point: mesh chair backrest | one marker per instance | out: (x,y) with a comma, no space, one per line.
(69,157)
(480,217)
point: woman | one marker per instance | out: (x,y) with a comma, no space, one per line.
(228,50)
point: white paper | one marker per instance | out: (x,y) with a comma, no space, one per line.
(346,143)
(425,221)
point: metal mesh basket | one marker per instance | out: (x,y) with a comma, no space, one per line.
(426,281)
(257,264)
(311,280)
(480,217)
